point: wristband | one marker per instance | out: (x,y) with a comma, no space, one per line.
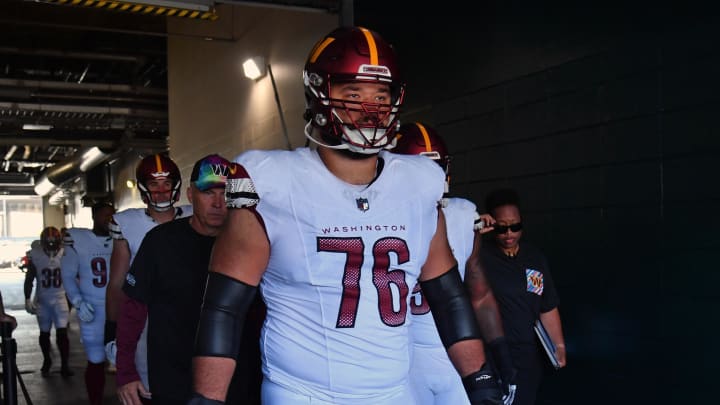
(482,387)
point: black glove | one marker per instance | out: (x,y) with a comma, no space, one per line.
(482,387)
(199,399)
(502,359)
(110,327)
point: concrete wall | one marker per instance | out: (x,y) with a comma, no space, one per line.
(213,107)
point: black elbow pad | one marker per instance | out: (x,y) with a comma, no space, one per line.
(222,316)
(451,308)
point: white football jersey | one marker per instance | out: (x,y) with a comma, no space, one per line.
(459,221)
(86,265)
(133,223)
(343,261)
(48,284)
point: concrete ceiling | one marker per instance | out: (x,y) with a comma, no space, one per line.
(93,77)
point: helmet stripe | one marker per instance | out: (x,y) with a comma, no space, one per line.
(158,163)
(319,48)
(425,135)
(371,46)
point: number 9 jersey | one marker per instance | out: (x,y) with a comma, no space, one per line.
(86,265)
(343,261)
(86,272)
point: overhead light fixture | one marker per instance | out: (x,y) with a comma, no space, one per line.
(130,183)
(36,127)
(255,68)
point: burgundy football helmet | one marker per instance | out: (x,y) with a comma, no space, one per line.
(420,139)
(158,166)
(352,54)
(51,240)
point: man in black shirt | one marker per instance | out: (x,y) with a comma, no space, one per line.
(165,285)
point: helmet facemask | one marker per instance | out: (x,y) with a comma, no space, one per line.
(160,206)
(361,127)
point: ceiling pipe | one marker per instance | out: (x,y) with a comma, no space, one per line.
(10,152)
(81,162)
(88,87)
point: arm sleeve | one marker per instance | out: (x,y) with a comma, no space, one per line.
(130,326)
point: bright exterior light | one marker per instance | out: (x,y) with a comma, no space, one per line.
(255,68)
(36,127)
(130,183)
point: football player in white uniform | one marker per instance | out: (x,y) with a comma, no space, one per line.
(336,237)
(85,274)
(158,179)
(433,376)
(50,303)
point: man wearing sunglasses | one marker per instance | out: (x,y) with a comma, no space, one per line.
(524,290)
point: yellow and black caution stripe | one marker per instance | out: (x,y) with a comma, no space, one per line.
(148,7)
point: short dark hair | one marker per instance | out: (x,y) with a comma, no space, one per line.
(500,197)
(100,205)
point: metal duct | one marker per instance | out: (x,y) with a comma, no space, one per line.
(68,169)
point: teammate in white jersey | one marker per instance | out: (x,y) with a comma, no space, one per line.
(50,303)
(434,378)
(336,238)
(158,179)
(85,274)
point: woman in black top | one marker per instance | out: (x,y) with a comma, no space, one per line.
(522,285)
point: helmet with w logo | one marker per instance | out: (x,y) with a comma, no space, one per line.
(420,139)
(51,240)
(352,55)
(157,168)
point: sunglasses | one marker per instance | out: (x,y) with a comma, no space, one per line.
(501,229)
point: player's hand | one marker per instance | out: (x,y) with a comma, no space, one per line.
(482,387)
(131,392)
(561,355)
(484,223)
(85,310)
(30,306)
(111,352)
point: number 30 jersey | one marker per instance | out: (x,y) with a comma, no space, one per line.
(86,264)
(343,261)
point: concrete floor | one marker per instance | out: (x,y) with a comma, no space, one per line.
(52,390)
